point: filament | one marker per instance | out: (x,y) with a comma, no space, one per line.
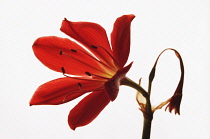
(61,53)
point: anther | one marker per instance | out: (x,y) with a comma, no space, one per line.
(96,47)
(82,61)
(93,46)
(73,50)
(63,70)
(61,52)
(88,73)
(79,84)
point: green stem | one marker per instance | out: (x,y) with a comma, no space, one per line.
(128,82)
(148,114)
(146,128)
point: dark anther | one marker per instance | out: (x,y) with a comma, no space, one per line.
(79,84)
(65,19)
(93,46)
(73,50)
(61,52)
(88,73)
(63,70)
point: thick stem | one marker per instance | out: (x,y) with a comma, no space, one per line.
(148,114)
(146,128)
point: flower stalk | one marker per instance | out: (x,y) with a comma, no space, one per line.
(148,119)
(128,82)
(148,113)
(146,128)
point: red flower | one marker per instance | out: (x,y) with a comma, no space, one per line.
(89,65)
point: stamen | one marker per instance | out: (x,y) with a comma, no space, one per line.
(93,46)
(78,78)
(99,76)
(104,64)
(80,87)
(85,63)
(73,50)
(79,84)
(81,91)
(63,70)
(88,73)
(115,62)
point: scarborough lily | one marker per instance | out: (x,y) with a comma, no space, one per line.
(89,65)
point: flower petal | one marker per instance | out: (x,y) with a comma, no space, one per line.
(55,53)
(112,85)
(89,34)
(174,103)
(175,100)
(87,109)
(62,90)
(120,39)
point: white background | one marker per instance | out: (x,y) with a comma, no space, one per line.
(159,24)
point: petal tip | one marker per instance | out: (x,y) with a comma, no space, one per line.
(72,127)
(31,103)
(70,123)
(132,16)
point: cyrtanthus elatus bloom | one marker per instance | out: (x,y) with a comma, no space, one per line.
(89,64)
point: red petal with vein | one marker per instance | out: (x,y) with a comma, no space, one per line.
(47,50)
(62,90)
(88,34)
(120,39)
(112,86)
(87,109)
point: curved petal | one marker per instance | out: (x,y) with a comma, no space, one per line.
(120,39)
(112,85)
(89,34)
(174,103)
(55,53)
(87,109)
(175,100)
(62,90)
